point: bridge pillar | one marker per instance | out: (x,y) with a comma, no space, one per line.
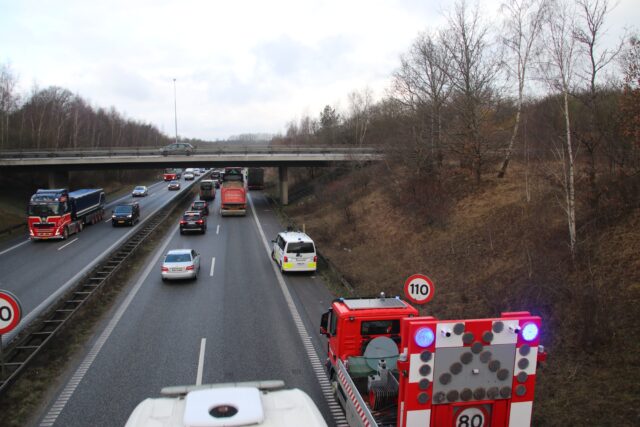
(283,173)
(58,179)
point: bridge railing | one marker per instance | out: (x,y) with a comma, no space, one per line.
(157,151)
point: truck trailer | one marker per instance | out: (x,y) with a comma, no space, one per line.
(391,367)
(233,192)
(58,213)
(256,179)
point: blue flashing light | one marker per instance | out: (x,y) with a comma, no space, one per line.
(530,332)
(424,337)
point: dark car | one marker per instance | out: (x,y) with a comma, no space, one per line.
(193,221)
(200,206)
(174,185)
(127,214)
(178,148)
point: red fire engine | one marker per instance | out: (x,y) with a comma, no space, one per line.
(391,367)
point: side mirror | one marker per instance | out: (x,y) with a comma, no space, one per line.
(324,323)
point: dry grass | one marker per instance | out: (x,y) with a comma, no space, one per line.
(498,250)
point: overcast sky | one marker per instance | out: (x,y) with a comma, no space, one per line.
(240,66)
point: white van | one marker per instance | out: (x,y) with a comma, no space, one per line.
(294,251)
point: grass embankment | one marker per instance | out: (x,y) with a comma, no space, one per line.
(502,246)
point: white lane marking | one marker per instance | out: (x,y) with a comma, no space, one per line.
(203,344)
(218,229)
(213,266)
(14,247)
(317,366)
(108,220)
(67,244)
(73,383)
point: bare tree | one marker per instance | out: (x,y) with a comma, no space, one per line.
(422,84)
(8,101)
(472,73)
(588,34)
(524,19)
(559,72)
(360,103)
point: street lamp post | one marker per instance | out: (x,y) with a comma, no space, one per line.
(175,108)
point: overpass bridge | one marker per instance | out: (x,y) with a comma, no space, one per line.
(57,163)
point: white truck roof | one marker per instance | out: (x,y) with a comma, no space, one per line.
(211,408)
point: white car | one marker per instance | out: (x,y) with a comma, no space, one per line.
(140,191)
(294,251)
(188,176)
(181,264)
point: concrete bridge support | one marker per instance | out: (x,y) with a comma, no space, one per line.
(283,173)
(58,179)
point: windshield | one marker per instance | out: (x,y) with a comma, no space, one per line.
(139,188)
(191,217)
(178,258)
(300,248)
(45,209)
(122,210)
(205,186)
(198,205)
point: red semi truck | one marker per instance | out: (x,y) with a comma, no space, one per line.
(233,193)
(390,367)
(170,175)
(55,214)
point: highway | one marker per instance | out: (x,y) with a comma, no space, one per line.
(35,270)
(233,324)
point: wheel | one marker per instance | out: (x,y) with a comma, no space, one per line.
(181,231)
(80,226)
(273,255)
(164,279)
(65,233)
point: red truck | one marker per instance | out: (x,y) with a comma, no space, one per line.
(170,175)
(56,214)
(390,366)
(233,192)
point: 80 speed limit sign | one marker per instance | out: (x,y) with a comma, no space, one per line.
(419,289)
(10,312)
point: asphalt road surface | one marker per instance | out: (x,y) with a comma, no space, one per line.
(235,315)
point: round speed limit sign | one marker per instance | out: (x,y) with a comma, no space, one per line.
(419,289)
(10,312)
(471,417)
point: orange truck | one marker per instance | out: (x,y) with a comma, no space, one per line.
(233,192)
(390,366)
(58,213)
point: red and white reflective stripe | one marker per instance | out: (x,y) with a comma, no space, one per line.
(353,399)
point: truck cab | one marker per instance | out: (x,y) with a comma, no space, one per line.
(360,321)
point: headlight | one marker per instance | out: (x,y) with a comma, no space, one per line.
(128,216)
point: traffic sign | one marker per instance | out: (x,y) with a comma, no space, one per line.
(10,312)
(419,289)
(472,416)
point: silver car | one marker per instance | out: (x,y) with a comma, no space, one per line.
(140,191)
(181,264)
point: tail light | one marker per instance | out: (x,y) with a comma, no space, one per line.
(165,268)
(286,259)
(315,258)
(199,221)
(183,222)
(190,267)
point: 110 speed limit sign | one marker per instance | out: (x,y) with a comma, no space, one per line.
(10,312)
(419,289)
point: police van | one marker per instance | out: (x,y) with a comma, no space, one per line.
(294,251)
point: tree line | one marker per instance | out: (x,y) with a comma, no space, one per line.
(469,97)
(55,118)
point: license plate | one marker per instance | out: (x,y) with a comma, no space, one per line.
(120,222)
(176,269)
(300,263)
(191,223)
